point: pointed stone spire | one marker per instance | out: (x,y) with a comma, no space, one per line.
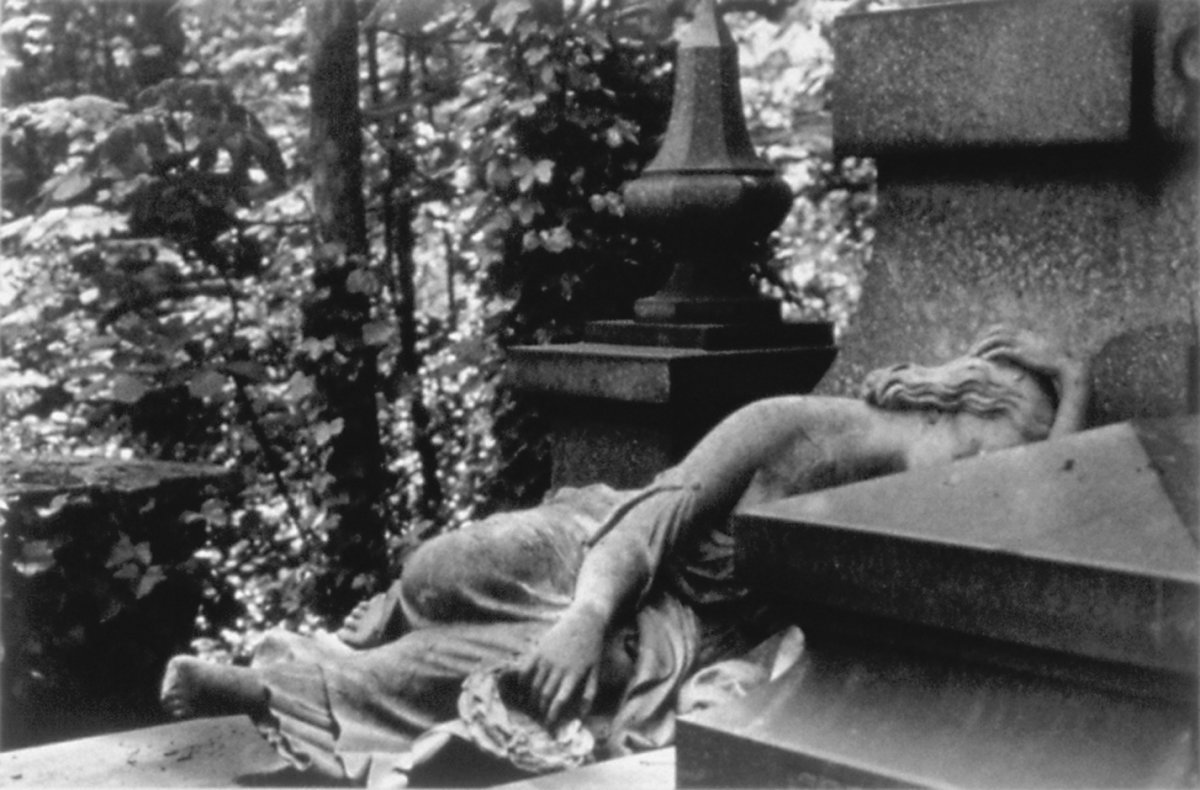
(707,195)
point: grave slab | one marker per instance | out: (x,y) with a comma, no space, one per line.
(217,752)
(653,770)
(106,546)
(851,715)
(1026,618)
(1075,546)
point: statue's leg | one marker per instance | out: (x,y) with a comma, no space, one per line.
(192,687)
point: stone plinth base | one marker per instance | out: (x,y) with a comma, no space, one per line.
(99,587)
(202,753)
(621,413)
(857,716)
(1027,618)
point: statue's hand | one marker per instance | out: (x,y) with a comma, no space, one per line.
(1025,349)
(561,672)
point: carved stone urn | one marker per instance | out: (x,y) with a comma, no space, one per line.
(707,195)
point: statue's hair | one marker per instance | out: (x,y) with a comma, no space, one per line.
(965,384)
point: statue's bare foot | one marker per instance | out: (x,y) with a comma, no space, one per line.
(367,624)
(191,687)
(180,687)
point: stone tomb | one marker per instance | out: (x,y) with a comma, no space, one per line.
(1037,166)
(1027,618)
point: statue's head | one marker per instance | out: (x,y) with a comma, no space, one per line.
(985,389)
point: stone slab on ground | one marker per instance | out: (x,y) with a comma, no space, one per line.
(1025,618)
(228,752)
(654,770)
(100,588)
(855,715)
(217,752)
(30,476)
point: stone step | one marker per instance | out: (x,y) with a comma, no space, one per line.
(852,715)
(1027,618)
(217,752)
(653,770)
(1084,547)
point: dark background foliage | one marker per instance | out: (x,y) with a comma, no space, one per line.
(170,291)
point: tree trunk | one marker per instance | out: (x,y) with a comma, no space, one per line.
(346,381)
(159,39)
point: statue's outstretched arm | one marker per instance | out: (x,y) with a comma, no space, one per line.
(624,561)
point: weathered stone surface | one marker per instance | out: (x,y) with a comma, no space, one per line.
(24,476)
(1073,546)
(711,337)
(652,374)
(621,413)
(852,715)
(100,588)
(1037,166)
(996,73)
(1027,618)
(1094,249)
(1177,69)
(201,753)
(654,770)
(706,195)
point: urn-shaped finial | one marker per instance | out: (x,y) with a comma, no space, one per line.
(706,194)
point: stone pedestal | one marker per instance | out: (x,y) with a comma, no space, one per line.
(100,588)
(622,411)
(636,395)
(1027,618)
(1037,165)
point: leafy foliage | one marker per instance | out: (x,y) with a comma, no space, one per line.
(100,588)
(159,244)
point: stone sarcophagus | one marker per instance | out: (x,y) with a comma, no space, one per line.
(1028,618)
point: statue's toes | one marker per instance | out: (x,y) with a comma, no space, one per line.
(175,694)
(363,625)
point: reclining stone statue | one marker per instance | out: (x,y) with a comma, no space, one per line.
(602,602)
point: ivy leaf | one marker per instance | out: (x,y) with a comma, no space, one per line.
(543,171)
(207,384)
(127,572)
(377,333)
(70,186)
(122,552)
(324,431)
(315,349)
(153,576)
(250,371)
(128,389)
(507,13)
(361,281)
(37,556)
(299,386)
(557,239)
(497,175)
(214,512)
